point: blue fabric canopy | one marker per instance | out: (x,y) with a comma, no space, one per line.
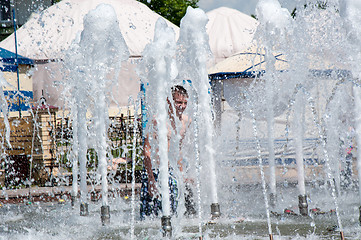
(339,73)
(8,60)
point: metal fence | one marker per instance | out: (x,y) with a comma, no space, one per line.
(123,133)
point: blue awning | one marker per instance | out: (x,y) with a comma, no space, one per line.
(339,73)
(8,60)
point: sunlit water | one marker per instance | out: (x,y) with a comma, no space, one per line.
(242,198)
(241,218)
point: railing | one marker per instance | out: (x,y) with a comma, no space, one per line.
(120,142)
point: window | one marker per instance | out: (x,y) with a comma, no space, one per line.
(5,11)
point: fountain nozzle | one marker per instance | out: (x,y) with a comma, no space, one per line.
(84,209)
(215,210)
(93,196)
(166,226)
(72,198)
(303,205)
(105,215)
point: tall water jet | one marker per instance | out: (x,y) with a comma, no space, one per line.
(4,110)
(357,97)
(260,163)
(350,11)
(134,157)
(157,71)
(77,96)
(195,54)
(82,156)
(313,51)
(96,64)
(338,120)
(197,161)
(271,33)
(299,135)
(271,138)
(75,156)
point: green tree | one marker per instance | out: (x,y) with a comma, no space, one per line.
(320,4)
(173,10)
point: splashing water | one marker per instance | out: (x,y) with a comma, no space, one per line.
(195,53)
(96,58)
(94,62)
(4,109)
(159,68)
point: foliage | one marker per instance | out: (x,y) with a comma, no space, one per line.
(173,10)
(320,4)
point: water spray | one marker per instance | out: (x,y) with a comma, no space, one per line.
(350,11)
(75,169)
(108,48)
(356,93)
(159,58)
(263,181)
(82,156)
(195,43)
(134,158)
(272,199)
(197,159)
(299,133)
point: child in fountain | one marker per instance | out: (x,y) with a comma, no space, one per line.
(150,203)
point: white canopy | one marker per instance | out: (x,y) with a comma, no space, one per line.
(248,60)
(252,59)
(230,31)
(320,76)
(48,35)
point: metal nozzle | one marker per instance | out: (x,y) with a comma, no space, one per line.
(342,236)
(166,226)
(93,196)
(84,209)
(215,210)
(303,205)
(72,198)
(105,215)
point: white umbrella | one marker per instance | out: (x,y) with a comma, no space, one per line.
(46,36)
(230,31)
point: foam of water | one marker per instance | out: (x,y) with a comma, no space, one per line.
(93,63)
